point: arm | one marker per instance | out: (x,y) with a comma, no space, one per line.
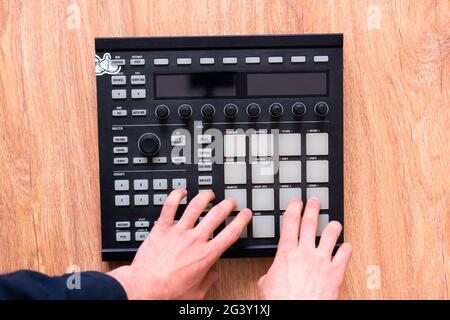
(300,270)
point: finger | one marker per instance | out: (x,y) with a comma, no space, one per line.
(211,277)
(329,237)
(215,217)
(195,208)
(342,256)
(291,225)
(230,234)
(308,227)
(170,206)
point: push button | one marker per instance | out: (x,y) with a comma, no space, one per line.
(261,145)
(263,226)
(204,166)
(288,194)
(235,172)
(119,94)
(229,60)
(317,144)
(159,199)
(263,199)
(317,171)
(324,219)
(138,94)
(178,140)
(239,195)
(122,224)
(234,145)
(322,194)
(120,160)
(121,185)
(137,79)
(243,233)
(262,172)
(119,113)
(178,183)
(206,60)
(205,180)
(118,80)
(141,199)
(123,236)
(142,224)
(120,139)
(140,184)
(289,144)
(160,62)
(122,200)
(137,62)
(290,171)
(141,235)
(159,184)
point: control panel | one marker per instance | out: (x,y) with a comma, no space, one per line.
(254,118)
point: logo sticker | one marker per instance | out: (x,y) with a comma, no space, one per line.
(105,65)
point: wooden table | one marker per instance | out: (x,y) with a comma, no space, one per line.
(397,140)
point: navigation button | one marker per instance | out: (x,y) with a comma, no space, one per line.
(263,199)
(142,224)
(275,60)
(252,60)
(239,195)
(298,59)
(229,60)
(137,79)
(206,60)
(184,61)
(141,235)
(118,80)
(320,59)
(161,62)
(179,183)
(123,236)
(205,180)
(159,199)
(119,94)
(138,94)
(137,62)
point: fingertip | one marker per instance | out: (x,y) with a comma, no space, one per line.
(232,201)
(314,201)
(247,212)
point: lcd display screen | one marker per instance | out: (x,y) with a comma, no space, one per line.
(287,84)
(196,85)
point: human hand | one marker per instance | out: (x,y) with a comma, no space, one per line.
(300,270)
(175,260)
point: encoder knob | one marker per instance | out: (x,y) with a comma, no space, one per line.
(208,111)
(276,109)
(253,110)
(162,111)
(230,111)
(185,111)
(149,144)
(298,109)
(321,109)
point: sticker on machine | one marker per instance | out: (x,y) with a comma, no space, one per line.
(105,65)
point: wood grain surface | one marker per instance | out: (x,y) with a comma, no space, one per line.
(397,139)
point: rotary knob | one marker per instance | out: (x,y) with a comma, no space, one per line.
(149,144)
(162,112)
(253,110)
(276,109)
(298,109)
(208,111)
(230,111)
(185,111)
(321,109)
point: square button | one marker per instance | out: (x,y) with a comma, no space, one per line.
(159,184)
(239,195)
(317,171)
(290,171)
(289,144)
(263,199)
(262,145)
(321,193)
(159,199)
(323,221)
(178,183)
(121,185)
(235,172)
(140,184)
(234,145)
(262,172)
(317,144)
(123,200)
(288,194)
(263,227)
(141,199)
(244,232)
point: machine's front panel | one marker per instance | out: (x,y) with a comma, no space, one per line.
(260,125)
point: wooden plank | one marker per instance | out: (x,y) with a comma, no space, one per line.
(396,87)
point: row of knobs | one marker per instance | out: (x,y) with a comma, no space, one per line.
(253,110)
